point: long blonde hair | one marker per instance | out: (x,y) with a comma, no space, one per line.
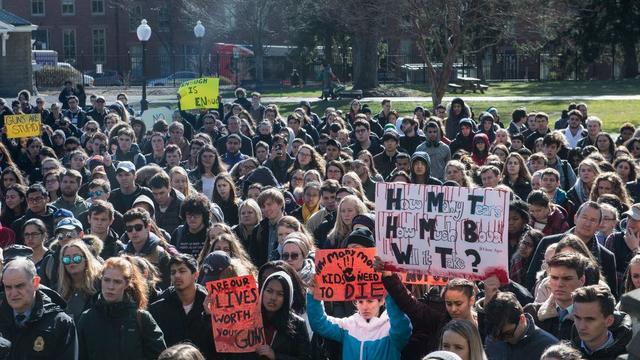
(340,229)
(179,170)
(91,272)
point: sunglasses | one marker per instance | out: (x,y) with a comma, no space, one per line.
(292,256)
(76,259)
(136,227)
(96,193)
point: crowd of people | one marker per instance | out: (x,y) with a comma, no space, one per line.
(110,230)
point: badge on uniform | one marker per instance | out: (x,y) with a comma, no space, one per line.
(38,345)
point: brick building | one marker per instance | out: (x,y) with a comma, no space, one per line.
(90,32)
(15,54)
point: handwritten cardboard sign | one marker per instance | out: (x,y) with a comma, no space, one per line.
(199,93)
(236,314)
(442,230)
(347,275)
(421,279)
(22,126)
(153,115)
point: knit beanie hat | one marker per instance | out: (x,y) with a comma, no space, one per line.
(363,237)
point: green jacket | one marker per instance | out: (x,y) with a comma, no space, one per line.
(119,331)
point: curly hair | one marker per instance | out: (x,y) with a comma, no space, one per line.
(197,203)
(317,162)
(618,187)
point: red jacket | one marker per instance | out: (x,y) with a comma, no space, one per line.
(556,222)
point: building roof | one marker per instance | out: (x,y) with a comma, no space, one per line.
(12,19)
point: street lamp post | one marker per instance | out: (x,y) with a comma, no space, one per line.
(144,34)
(198,31)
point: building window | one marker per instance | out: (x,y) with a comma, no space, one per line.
(37,7)
(99,46)
(69,45)
(164,19)
(68,7)
(135,16)
(97,7)
(41,37)
(135,54)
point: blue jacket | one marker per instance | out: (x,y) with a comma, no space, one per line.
(381,337)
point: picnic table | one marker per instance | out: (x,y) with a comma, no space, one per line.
(465,83)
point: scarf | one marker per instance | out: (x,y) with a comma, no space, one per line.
(307,212)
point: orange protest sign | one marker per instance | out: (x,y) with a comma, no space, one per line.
(346,275)
(236,314)
(420,279)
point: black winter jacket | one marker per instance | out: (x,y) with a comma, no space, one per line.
(48,333)
(119,331)
(179,327)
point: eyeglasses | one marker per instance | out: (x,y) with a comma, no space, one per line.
(35,199)
(32,235)
(136,227)
(95,193)
(292,256)
(76,259)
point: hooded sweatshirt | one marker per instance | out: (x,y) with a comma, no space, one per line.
(381,337)
(480,157)
(462,142)
(453,120)
(438,151)
(423,156)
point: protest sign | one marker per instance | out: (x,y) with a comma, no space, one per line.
(421,279)
(347,275)
(151,116)
(442,230)
(236,314)
(199,94)
(21,126)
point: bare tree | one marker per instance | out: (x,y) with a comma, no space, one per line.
(444,28)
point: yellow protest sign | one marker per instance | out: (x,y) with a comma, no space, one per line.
(20,126)
(199,93)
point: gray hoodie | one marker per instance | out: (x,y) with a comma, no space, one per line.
(438,152)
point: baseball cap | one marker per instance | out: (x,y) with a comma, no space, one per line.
(214,264)
(100,98)
(98,170)
(62,213)
(634,212)
(126,166)
(69,224)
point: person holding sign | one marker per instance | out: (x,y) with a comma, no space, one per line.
(386,333)
(286,335)
(428,318)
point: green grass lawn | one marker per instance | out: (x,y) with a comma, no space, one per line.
(506,88)
(551,88)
